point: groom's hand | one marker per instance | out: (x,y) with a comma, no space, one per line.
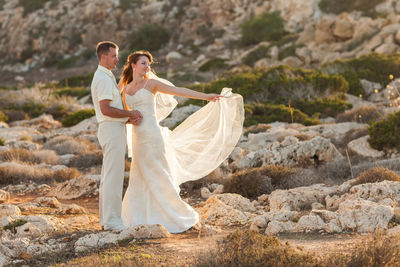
(135,118)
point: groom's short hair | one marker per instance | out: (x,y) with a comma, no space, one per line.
(104,47)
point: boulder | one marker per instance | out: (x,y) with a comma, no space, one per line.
(361,148)
(4,196)
(75,188)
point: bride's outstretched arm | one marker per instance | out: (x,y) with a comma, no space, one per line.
(182,91)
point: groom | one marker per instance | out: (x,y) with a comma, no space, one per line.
(111,118)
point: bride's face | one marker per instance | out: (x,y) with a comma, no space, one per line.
(142,66)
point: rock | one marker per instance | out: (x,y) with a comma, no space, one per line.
(4,196)
(317,206)
(281,216)
(205,192)
(50,202)
(236,201)
(39,225)
(309,223)
(386,48)
(16,133)
(363,215)
(216,212)
(24,144)
(72,209)
(173,56)
(178,115)
(323,32)
(44,121)
(343,27)
(98,240)
(75,188)
(208,230)
(263,199)
(259,221)
(292,61)
(88,125)
(276,227)
(362,148)
(370,87)
(219,189)
(300,198)
(144,231)
(377,192)
(7,210)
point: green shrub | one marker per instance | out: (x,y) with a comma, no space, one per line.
(279,85)
(32,5)
(2,2)
(325,106)
(78,92)
(372,67)
(58,111)
(288,51)
(34,109)
(3,117)
(76,81)
(2,141)
(149,37)
(339,6)
(15,115)
(14,224)
(76,117)
(265,27)
(385,133)
(376,175)
(257,54)
(267,113)
(67,62)
(128,4)
(216,63)
(363,114)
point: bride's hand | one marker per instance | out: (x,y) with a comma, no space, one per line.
(213,97)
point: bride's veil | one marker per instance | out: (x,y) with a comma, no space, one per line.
(164,103)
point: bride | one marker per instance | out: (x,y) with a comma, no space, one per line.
(164,159)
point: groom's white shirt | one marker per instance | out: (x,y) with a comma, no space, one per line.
(104,86)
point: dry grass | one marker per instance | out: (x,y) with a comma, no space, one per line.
(23,155)
(391,164)
(19,173)
(363,114)
(249,248)
(257,181)
(15,115)
(86,160)
(336,171)
(68,145)
(376,174)
(259,128)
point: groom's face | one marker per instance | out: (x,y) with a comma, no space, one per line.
(111,58)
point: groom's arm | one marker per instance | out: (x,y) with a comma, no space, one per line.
(112,112)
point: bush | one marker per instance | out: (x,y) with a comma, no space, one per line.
(2,141)
(258,128)
(324,106)
(363,114)
(12,226)
(77,92)
(76,81)
(340,6)
(15,115)
(216,63)
(249,183)
(249,248)
(267,113)
(32,5)
(68,145)
(385,133)
(265,27)
(86,160)
(76,117)
(3,117)
(58,111)
(34,109)
(372,67)
(149,37)
(288,51)
(27,156)
(18,173)
(279,85)
(257,181)
(257,54)
(376,175)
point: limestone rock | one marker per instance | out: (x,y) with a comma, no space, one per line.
(362,148)
(144,231)
(236,201)
(75,188)
(4,196)
(9,210)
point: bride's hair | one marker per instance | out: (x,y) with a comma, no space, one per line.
(127,73)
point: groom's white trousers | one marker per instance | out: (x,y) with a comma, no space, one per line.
(112,139)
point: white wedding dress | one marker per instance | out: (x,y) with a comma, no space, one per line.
(164,159)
